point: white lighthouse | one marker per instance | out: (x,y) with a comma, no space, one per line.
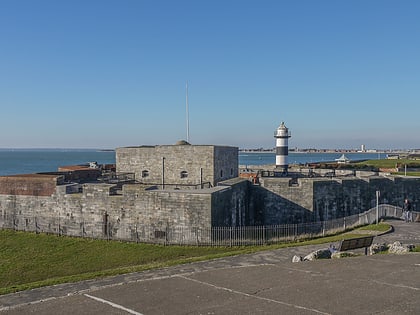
(282,136)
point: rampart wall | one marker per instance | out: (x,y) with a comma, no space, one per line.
(280,200)
(97,212)
(284,200)
(141,211)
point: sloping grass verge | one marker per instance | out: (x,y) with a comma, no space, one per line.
(29,260)
(380,227)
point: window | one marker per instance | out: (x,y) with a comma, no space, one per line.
(145,173)
(184,174)
(221,173)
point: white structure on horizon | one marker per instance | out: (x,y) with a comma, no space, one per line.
(343,160)
(282,136)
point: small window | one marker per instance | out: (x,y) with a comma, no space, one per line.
(231,172)
(221,173)
(184,174)
(144,174)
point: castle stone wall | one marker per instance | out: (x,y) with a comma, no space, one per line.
(179,164)
(137,212)
(230,206)
(284,200)
(142,212)
(226,163)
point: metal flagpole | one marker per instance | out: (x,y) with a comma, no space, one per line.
(187,113)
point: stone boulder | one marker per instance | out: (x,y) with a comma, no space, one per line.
(377,248)
(318,254)
(296,259)
(398,248)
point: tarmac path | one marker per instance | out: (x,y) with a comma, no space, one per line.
(261,283)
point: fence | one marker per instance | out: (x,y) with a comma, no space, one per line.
(214,236)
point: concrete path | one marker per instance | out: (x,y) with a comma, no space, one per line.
(262,283)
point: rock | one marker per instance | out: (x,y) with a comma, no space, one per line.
(296,259)
(398,248)
(318,254)
(411,247)
(377,248)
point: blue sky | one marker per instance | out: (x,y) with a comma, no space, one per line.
(105,74)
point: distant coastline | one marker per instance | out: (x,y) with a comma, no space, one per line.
(323,151)
(247,158)
(31,160)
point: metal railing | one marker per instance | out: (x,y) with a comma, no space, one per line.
(184,235)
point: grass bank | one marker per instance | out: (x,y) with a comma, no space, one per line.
(29,260)
(385,163)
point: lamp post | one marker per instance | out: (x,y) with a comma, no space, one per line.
(163,173)
(377,206)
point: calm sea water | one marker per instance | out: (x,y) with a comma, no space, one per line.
(302,158)
(28,161)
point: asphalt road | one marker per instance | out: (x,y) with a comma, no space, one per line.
(262,283)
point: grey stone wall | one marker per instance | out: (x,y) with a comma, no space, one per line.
(282,200)
(165,164)
(226,163)
(96,213)
(230,205)
(339,198)
(143,213)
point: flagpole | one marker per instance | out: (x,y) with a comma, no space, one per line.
(187,112)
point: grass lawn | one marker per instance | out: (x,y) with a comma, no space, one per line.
(408,173)
(381,227)
(388,163)
(385,163)
(29,260)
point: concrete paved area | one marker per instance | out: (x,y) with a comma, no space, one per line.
(262,283)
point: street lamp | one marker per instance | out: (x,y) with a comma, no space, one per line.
(377,206)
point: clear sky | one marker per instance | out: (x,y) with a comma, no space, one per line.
(112,73)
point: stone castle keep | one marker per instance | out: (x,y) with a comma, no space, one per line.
(187,186)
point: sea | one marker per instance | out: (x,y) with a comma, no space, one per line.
(263,158)
(29,161)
